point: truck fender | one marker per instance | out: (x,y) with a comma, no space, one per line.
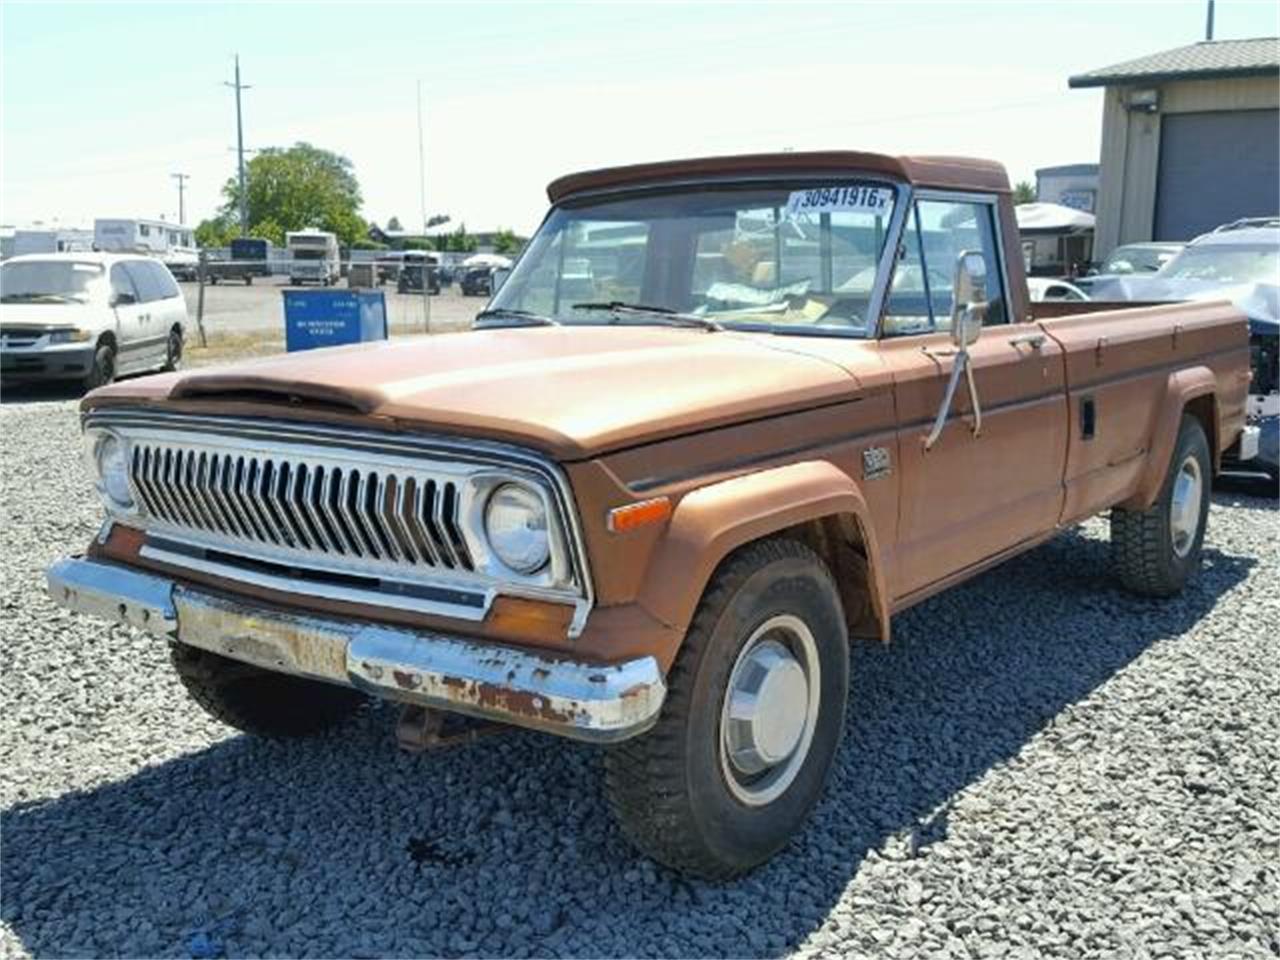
(1195,388)
(712,521)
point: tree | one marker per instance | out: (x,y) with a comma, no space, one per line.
(460,241)
(295,189)
(394,224)
(216,232)
(505,241)
(1024,192)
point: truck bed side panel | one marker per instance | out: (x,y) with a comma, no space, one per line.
(1119,365)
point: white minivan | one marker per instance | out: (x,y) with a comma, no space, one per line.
(88,317)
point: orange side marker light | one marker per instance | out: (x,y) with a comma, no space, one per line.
(635,515)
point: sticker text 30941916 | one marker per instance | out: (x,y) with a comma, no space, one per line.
(856,198)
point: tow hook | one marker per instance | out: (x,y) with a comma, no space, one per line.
(423,728)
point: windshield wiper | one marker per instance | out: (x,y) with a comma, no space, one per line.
(674,317)
(521,318)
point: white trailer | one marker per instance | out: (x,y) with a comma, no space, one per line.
(170,243)
(313,257)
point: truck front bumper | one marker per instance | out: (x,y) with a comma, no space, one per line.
(597,703)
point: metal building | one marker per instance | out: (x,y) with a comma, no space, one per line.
(1190,140)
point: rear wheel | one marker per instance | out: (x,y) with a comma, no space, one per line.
(261,702)
(753,717)
(1156,551)
(173,350)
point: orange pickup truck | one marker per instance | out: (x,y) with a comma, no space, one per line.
(724,417)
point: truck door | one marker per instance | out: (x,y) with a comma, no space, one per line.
(976,492)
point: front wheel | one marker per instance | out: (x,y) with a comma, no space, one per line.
(103,370)
(261,702)
(1156,551)
(753,717)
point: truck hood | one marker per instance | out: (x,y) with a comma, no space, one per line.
(573,392)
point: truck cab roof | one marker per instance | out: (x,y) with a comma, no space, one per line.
(956,173)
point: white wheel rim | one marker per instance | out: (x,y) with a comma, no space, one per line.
(1184,506)
(770,710)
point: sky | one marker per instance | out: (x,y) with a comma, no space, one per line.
(101,102)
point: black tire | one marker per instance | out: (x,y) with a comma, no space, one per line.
(103,370)
(248,280)
(670,789)
(1153,553)
(261,702)
(173,350)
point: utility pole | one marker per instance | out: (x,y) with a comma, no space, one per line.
(244,196)
(182,179)
(1208,23)
(422,196)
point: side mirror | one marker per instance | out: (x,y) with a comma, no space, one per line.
(123,299)
(497,278)
(968,298)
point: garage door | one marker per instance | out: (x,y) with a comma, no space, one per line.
(1216,167)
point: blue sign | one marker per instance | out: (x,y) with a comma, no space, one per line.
(330,318)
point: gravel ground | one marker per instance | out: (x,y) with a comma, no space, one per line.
(237,308)
(1039,765)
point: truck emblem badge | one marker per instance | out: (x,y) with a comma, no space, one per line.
(875,463)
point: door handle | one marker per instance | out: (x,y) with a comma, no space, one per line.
(1033,340)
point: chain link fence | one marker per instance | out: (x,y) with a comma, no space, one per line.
(239,300)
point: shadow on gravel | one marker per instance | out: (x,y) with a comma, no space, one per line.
(343,846)
(56,390)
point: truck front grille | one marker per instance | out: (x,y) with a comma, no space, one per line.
(393,517)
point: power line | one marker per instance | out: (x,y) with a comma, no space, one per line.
(182,179)
(244,196)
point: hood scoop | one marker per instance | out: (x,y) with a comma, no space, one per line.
(248,388)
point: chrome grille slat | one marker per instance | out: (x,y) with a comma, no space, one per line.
(313,507)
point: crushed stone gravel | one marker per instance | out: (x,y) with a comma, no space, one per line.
(1039,765)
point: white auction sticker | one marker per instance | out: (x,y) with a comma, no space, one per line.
(856,198)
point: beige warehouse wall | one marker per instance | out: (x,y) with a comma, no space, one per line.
(1131,148)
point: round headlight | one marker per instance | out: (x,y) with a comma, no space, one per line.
(113,471)
(515,523)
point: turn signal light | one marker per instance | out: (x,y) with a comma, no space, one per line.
(632,516)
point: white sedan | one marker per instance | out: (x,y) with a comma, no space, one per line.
(1045,288)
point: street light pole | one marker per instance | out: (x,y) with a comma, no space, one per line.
(244,197)
(182,179)
(422,198)
(1208,23)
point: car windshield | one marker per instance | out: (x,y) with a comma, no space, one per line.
(50,281)
(781,258)
(1226,263)
(1136,260)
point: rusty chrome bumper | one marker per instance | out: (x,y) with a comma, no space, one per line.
(597,703)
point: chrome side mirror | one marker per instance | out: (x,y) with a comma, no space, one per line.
(968,311)
(968,298)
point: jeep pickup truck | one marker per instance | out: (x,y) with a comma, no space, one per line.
(725,417)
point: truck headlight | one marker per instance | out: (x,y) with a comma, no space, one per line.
(113,471)
(69,336)
(515,524)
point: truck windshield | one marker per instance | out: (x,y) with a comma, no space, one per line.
(782,258)
(50,281)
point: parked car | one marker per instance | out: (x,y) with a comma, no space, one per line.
(1044,288)
(649,516)
(1239,262)
(250,257)
(412,270)
(1129,260)
(89,317)
(476,282)
(388,265)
